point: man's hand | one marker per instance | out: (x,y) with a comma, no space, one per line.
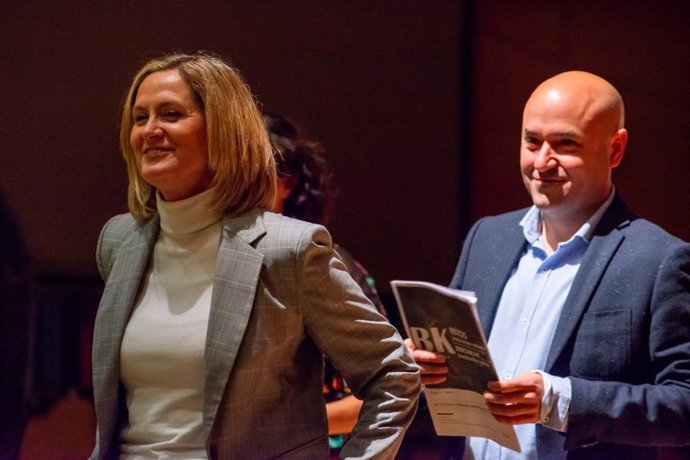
(434,369)
(518,400)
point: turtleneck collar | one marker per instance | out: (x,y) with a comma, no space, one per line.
(184,217)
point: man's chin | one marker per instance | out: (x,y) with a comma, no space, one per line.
(543,203)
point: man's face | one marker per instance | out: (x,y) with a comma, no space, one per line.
(566,154)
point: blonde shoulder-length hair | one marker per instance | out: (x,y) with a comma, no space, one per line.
(240,155)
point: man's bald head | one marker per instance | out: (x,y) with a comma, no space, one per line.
(584,94)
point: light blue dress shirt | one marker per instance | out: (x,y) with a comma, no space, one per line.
(525,324)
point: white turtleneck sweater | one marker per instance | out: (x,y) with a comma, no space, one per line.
(162,352)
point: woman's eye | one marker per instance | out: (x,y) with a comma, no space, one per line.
(139,119)
(171,115)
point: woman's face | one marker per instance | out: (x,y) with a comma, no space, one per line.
(169,136)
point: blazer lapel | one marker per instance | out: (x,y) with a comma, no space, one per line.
(500,268)
(605,242)
(116,304)
(234,288)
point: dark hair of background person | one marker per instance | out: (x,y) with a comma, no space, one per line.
(302,163)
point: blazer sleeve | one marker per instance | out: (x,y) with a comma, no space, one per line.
(648,412)
(362,344)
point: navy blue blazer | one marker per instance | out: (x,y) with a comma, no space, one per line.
(623,338)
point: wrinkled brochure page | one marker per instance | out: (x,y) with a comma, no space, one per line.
(445,320)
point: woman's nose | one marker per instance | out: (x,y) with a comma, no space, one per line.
(152,128)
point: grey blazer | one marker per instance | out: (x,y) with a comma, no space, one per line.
(281,300)
(623,337)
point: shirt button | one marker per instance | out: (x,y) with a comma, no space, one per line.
(524,322)
(506,376)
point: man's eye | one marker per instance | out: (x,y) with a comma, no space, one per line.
(531,142)
(568,145)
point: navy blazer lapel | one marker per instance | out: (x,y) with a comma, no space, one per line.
(124,279)
(605,242)
(502,267)
(499,248)
(234,288)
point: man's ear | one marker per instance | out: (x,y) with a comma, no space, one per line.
(619,140)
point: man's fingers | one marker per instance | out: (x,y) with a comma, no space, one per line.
(433,379)
(519,420)
(514,407)
(433,365)
(423,356)
(514,414)
(511,386)
(529,397)
(433,369)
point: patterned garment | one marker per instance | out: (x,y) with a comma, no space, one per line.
(334,387)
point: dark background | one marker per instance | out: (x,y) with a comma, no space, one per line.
(417,102)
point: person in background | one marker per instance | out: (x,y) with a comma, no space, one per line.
(586,305)
(216,313)
(304,191)
(15,317)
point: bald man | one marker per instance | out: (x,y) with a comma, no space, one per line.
(586,306)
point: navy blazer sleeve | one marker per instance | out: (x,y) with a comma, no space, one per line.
(630,364)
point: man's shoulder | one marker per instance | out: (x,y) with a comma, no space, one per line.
(501,223)
(620,217)
(644,232)
(496,236)
(510,216)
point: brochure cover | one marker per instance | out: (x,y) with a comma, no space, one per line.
(445,320)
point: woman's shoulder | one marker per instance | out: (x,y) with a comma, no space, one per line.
(282,226)
(121,225)
(120,228)
(125,220)
(287,232)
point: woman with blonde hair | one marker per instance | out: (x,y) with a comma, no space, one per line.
(216,313)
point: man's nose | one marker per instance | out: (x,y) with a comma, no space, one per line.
(544,158)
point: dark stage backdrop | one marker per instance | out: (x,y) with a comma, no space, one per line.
(375,82)
(380,84)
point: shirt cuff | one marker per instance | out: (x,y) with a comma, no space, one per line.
(555,404)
